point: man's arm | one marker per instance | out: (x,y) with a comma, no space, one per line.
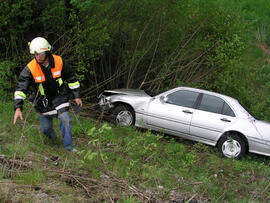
(20,93)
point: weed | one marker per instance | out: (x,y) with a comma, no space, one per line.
(3,172)
(19,150)
(87,156)
(144,159)
(127,199)
(200,147)
(31,177)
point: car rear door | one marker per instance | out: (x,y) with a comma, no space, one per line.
(211,118)
(172,112)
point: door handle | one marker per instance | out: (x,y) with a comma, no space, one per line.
(187,111)
(225,120)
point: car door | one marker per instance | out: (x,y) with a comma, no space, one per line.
(211,118)
(172,112)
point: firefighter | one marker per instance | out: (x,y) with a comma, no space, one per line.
(53,80)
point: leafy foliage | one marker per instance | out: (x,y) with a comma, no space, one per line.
(152,45)
(15,23)
(7,78)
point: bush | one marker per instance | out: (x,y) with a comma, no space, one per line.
(15,23)
(8,80)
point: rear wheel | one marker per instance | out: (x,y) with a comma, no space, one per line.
(123,115)
(232,146)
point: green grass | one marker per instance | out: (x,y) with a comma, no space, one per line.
(120,165)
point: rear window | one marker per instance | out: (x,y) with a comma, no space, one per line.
(215,104)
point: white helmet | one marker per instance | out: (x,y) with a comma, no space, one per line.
(39,45)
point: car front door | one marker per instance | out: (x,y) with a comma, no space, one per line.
(210,119)
(172,112)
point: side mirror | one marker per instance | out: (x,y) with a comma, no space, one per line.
(163,99)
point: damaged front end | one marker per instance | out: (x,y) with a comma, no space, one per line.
(108,97)
(104,104)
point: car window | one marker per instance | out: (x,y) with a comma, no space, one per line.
(227,110)
(182,98)
(215,105)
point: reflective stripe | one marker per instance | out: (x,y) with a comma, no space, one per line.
(39,79)
(41,89)
(60,81)
(19,95)
(62,106)
(57,73)
(53,112)
(74,85)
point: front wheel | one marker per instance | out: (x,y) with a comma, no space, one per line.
(232,146)
(123,115)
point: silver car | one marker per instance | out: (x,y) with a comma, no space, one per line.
(190,113)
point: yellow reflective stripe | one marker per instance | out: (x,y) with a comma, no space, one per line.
(74,85)
(41,89)
(60,81)
(19,95)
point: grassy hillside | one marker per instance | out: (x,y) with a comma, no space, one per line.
(120,165)
(128,164)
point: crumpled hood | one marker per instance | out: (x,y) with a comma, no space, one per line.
(263,127)
(127,92)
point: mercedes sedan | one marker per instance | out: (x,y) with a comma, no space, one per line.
(193,114)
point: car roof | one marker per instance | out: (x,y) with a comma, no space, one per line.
(206,92)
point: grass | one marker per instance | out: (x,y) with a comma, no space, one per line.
(120,165)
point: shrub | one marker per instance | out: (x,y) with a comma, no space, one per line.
(8,79)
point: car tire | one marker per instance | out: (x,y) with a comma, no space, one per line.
(123,115)
(232,146)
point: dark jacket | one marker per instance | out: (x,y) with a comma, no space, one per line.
(56,95)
